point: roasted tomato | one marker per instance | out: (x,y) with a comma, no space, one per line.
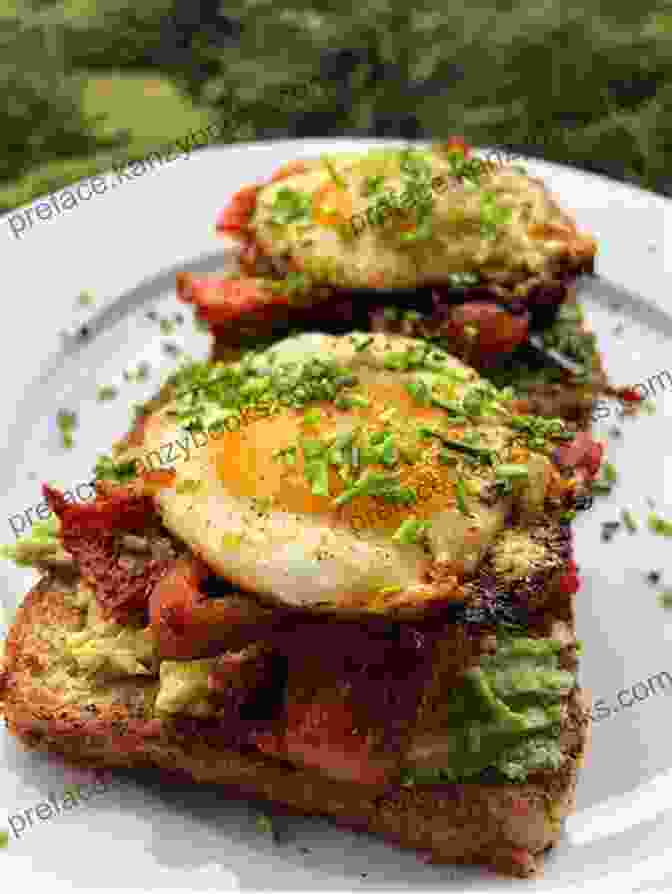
(187,623)
(221,302)
(235,217)
(321,734)
(488,328)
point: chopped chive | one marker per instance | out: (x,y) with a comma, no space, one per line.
(288,454)
(231,541)
(264,824)
(609,473)
(361,345)
(312,417)
(665,599)
(166,326)
(188,486)
(4,838)
(107,392)
(512,471)
(461,496)
(629,520)
(67,423)
(389,414)
(85,299)
(659,525)
(410,531)
(335,176)
(393,588)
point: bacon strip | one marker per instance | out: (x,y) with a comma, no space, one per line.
(221,301)
(89,533)
(235,217)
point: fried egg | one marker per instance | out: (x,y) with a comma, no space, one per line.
(352,504)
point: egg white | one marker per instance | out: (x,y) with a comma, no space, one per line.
(305,559)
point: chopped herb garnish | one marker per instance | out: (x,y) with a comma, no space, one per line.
(659,525)
(231,541)
(291,206)
(85,299)
(107,392)
(316,466)
(512,471)
(188,486)
(629,521)
(312,417)
(665,599)
(106,469)
(333,173)
(4,838)
(373,184)
(538,428)
(67,423)
(461,496)
(493,215)
(288,454)
(462,280)
(139,374)
(361,342)
(483,454)
(166,326)
(419,391)
(411,531)
(388,591)
(374,484)
(609,473)
(264,824)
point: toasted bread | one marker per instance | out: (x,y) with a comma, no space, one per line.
(504,826)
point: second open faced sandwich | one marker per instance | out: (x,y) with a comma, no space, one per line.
(434,243)
(350,592)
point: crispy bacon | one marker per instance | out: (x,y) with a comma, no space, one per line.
(289,170)
(582,453)
(121,507)
(221,302)
(322,734)
(235,217)
(89,533)
(188,624)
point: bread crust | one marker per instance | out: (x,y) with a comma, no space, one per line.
(506,827)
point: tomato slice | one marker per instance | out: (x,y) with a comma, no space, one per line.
(490,329)
(332,205)
(321,734)
(236,215)
(222,301)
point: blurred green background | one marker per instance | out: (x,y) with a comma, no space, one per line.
(85,83)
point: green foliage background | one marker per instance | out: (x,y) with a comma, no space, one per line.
(84,83)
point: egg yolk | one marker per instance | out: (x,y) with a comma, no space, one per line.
(247,463)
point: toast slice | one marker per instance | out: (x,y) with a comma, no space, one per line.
(50,706)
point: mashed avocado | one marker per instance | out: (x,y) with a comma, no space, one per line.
(184,687)
(110,649)
(42,541)
(506,716)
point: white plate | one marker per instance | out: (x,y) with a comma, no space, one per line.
(124,246)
